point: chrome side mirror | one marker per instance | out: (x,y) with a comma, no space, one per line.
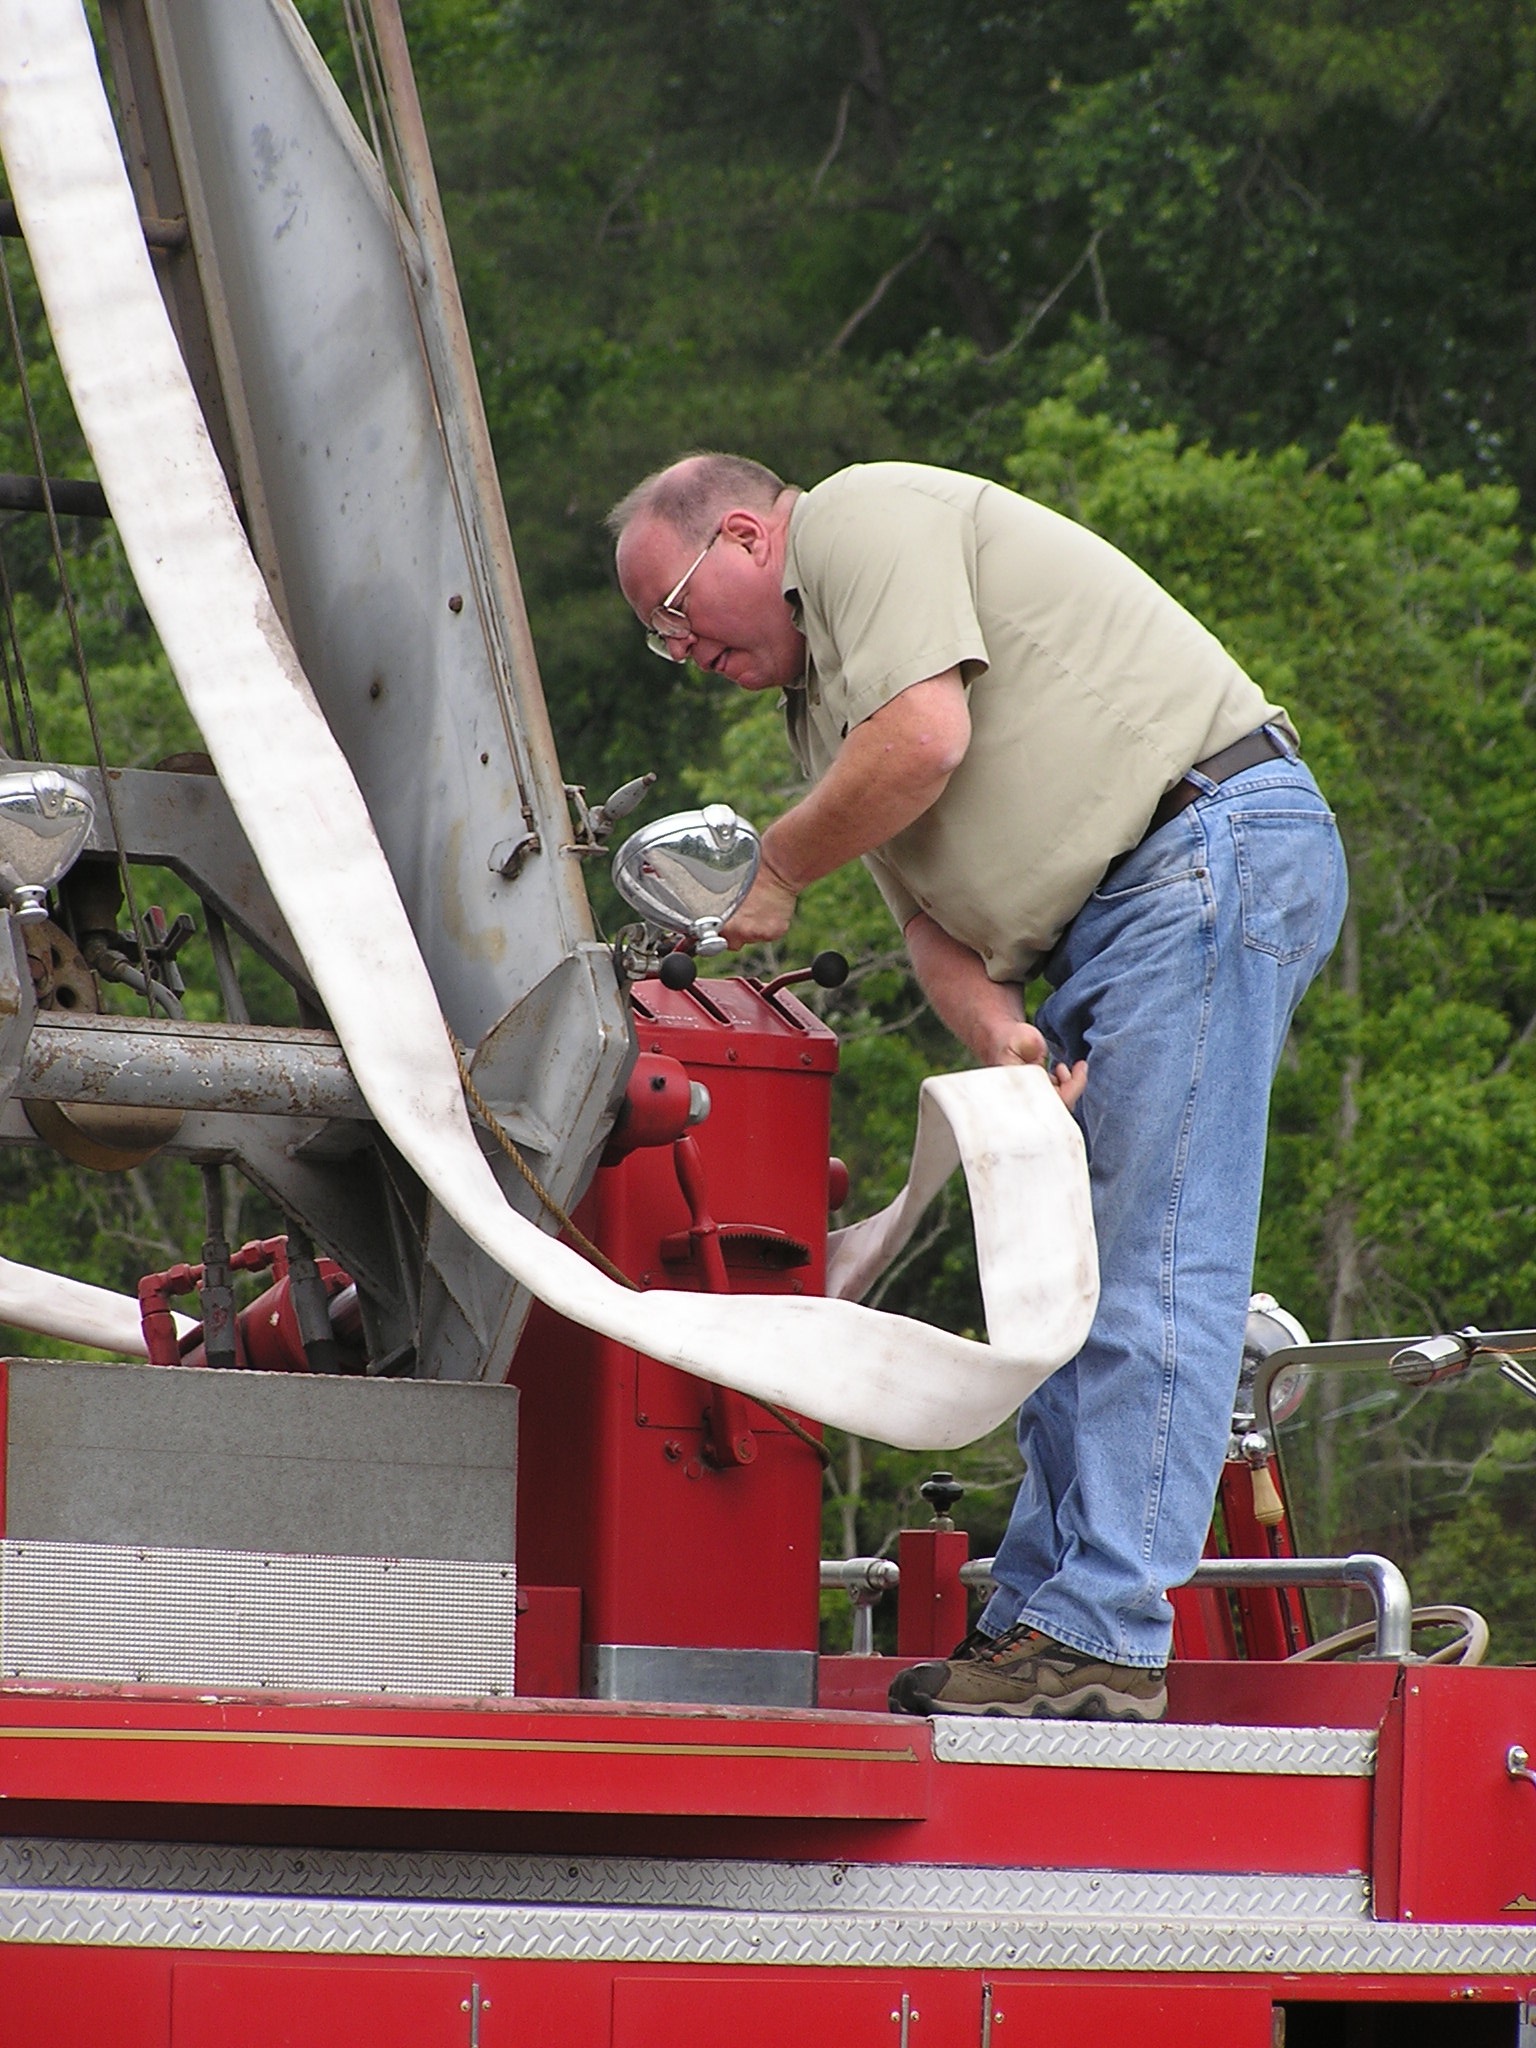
(690,872)
(45,819)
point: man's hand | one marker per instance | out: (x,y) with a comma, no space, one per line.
(986,1015)
(1021,1045)
(766,912)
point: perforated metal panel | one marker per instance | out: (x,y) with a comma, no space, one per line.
(124,1615)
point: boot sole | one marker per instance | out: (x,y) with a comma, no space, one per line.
(1091,1704)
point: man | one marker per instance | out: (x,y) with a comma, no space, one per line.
(1050,767)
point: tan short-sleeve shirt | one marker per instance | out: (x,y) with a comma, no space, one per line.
(1091,690)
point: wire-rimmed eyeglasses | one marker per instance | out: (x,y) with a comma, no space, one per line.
(669,623)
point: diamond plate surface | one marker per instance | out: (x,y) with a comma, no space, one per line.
(841,1940)
(691,1884)
(137,1615)
(1119,1746)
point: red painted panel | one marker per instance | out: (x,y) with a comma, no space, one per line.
(751,2009)
(613,1463)
(84,1998)
(1387,1815)
(931,1614)
(516,1757)
(1467,1847)
(856,1685)
(546,2005)
(1282,1695)
(1144,1820)
(1083,2012)
(549,1642)
(835,1785)
(259,2004)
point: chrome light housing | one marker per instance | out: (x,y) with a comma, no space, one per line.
(689,873)
(45,820)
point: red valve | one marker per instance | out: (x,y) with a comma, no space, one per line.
(657,1105)
(267,1337)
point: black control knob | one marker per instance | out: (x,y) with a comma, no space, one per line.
(677,971)
(942,1491)
(829,970)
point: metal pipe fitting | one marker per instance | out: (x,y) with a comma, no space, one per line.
(142,1063)
(864,1579)
(861,1574)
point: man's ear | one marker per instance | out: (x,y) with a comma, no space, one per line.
(747,530)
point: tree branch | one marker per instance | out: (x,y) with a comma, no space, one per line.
(1089,257)
(856,319)
(839,130)
(1524,1038)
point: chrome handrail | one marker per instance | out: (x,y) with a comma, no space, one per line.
(866,1578)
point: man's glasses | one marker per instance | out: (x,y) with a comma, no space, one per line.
(669,623)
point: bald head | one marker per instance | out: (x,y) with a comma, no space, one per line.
(693,495)
(706,537)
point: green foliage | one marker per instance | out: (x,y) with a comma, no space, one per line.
(1481,1555)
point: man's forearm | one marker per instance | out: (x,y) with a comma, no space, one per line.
(889,771)
(986,1016)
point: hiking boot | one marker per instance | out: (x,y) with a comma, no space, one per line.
(974,1643)
(1030,1677)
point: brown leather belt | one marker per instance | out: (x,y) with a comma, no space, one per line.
(1247,752)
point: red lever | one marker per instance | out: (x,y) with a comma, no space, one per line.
(728,1438)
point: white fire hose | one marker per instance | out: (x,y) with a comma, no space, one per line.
(291,787)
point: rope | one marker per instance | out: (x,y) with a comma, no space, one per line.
(509,1145)
(582,1242)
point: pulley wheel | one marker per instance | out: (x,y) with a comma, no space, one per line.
(108,1137)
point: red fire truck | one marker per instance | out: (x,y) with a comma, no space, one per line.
(399,1659)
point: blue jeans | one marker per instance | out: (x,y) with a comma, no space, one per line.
(1177,981)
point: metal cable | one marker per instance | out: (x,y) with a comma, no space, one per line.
(11,657)
(374,88)
(65,591)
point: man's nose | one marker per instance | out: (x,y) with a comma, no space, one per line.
(702,650)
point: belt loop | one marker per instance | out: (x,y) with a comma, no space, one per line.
(1282,739)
